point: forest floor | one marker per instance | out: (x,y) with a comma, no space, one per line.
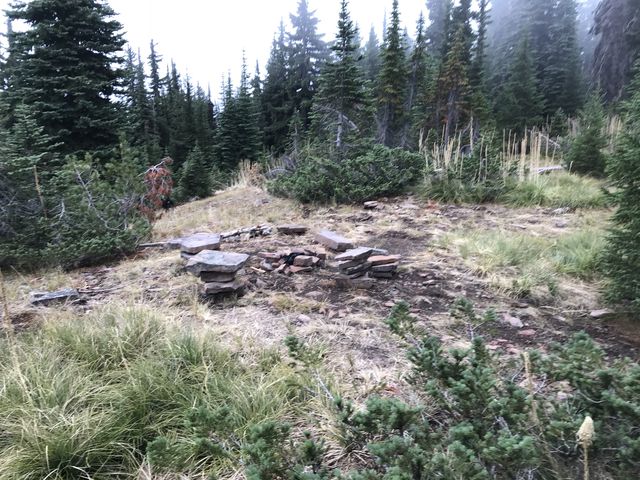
(510,260)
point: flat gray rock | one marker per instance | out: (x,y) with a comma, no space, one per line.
(173,243)
(47,298)
(292,229)
(214,261)
(213,288)
(199,242)
(388,267)
(360,253)
(333,240)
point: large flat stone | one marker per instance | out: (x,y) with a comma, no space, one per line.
(199,242)
(213,261)
(333,240)
(360,253)
(214,288)
(292,229)
(47,298)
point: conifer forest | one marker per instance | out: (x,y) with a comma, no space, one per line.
(389,252)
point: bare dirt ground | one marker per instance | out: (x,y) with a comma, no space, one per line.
(346,324)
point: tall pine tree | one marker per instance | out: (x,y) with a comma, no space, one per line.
(392,83)
(64,69)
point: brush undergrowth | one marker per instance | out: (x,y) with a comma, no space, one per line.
(95,398)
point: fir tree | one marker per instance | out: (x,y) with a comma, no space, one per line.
(63,70)
(480,106)
(195,178)
(307,52)
(392,84)
(371,58)
(276,104)
(342,98)
(418,64)
(437,32)
(622,257)
(520,104)
(587,155)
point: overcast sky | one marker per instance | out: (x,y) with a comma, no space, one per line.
(206,37)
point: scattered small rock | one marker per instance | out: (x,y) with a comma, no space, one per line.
(527,333)
(511,320)
(600,314)
(371,205)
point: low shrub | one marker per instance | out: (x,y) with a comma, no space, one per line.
(379,171)
(77,218)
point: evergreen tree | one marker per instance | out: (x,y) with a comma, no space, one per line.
(371,58)
(342,98)
(520,104)
(480,107)
(247,133)
(454,89)
(276,104)
(195,179)
(622,257)
(418,64)
(63,70)
(392,84)
(560,71)
(437,32)
(587,150)
(307,52)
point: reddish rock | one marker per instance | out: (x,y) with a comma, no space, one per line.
(281,268)
(303,261)
(319,252)
(384,259)
(333,240)
(527,333)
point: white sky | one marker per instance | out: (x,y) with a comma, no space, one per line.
(206,37)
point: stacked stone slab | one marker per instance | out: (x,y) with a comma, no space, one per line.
(360,261)
(198,242)
(354,263)
(296,260)
(218,271)
(384,266)
(333,240)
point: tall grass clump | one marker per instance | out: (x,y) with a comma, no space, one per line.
(520,263)
(520,171)
(94,397)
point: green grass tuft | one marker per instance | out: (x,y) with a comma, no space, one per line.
(84,399)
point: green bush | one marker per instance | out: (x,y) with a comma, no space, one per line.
(377,172)
(79,218)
